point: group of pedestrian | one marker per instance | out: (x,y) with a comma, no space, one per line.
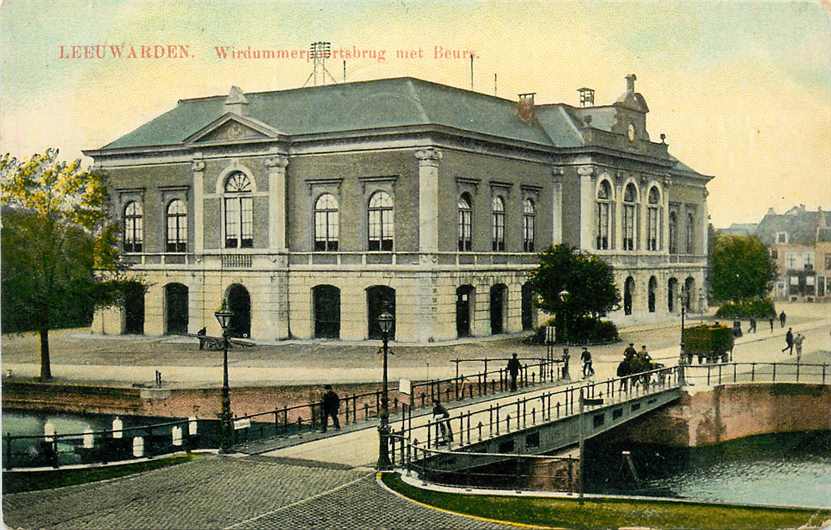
(792,340)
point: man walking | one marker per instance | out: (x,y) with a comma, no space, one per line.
(586,357)
(788,341)
(798,340)
(622,372)
(331,406)
(566,357)
(513,371)
(442,416)
(782,318)
(771,319)
(629,352)
(752,326)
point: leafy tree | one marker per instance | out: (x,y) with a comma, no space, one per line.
(56,234)
(742,268)
(588,279)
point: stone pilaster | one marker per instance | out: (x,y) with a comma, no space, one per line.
(198,168)
(428,199)
(667,182)
(557,206)
(277,205)
(586,209)
(618,244)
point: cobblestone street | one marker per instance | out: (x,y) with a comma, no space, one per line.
(222,492)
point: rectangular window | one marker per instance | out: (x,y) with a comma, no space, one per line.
(774,253)
(628,228)
(794,280)
(380,230)
(232,223)
(828,262)
(247,222)
(498,231)
(465,236)
(603,226)
(653,229)
(528,228)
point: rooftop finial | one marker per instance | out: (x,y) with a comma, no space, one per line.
(236,101)
(630,82)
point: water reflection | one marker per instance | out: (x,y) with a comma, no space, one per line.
(791,468)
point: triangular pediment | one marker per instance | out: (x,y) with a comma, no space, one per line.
(233,128)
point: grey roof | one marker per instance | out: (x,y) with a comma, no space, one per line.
(800,224)
(366,105)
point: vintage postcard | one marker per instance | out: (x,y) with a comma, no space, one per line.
(415,264)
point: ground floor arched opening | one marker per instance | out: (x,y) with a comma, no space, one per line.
(689,292)
(498,306)
(464,310)
(379,298)
(527,306)
(238,302)
(653,293)
(134,309)
(672,294)
(628,295)
(326,307)
(176,309)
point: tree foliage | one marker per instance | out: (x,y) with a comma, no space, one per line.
(742,268)
(588,279)
(56,234)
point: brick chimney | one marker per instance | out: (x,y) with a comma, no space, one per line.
(630,82)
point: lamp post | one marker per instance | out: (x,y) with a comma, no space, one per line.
(564,296)
(683,303)
(223,316)
(385,322)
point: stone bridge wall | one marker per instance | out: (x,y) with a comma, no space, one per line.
(711,415)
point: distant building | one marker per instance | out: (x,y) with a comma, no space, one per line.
(739,229)
(800,242)
(310,211)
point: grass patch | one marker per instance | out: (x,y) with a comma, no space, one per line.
(610,513)
(16,482)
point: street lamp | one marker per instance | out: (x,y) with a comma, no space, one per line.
(385,322)
(223,316)
(564,295)
(683,303)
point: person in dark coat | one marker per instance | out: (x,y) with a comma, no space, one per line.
(752,325)
(789,341)
(630,352)
(566,357)
(331,406)
(782,318)
(586,357)
(513,371)
(622,372)
(771,320)
(442,416)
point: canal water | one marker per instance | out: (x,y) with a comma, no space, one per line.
(780,469)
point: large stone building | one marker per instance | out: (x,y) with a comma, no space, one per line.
(800,242)
(310,210)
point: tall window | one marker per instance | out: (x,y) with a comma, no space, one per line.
(629,217)
(239,211)
(381,221)
(653,220)
(690,233)
(529,214)
(604,196)
(498,223)
(326,222)
(133,227)
(177,226)
(465,223)
(673,233)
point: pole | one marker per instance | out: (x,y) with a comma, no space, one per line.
(582,447)
(384,428)
(471,71)
(225,442)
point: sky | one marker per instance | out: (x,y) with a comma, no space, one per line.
(741,89)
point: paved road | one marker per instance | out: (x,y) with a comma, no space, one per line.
(228,492)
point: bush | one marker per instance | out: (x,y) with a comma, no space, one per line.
(584,330)
(746,308)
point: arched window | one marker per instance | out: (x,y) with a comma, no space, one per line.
(630,209)
(653,220)
(498,223)
(177,226)
(381,222)
(690,233)
(133,227)
(326,222)
(673,233)
(604,196)
(465,223)
(529,215)
(239,211)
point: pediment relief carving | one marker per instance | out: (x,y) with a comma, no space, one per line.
(231,131)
